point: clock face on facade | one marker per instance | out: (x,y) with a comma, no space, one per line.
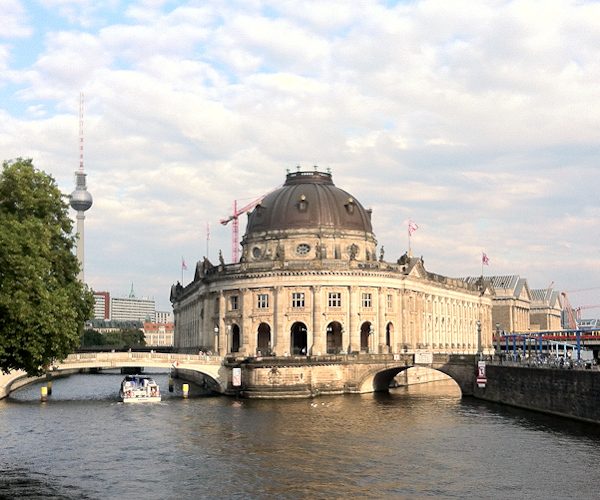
(256,252)
(303,249)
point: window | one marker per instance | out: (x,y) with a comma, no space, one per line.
(367,300)
(303,249)
(335,299)
(233,302)
(390,302)
(297,299)
(263,301)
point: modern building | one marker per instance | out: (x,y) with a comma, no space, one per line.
(312,281)
(164,316)
(102,305)
(132,308)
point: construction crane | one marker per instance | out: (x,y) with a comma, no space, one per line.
(235,227)
(581,308)
(568,312)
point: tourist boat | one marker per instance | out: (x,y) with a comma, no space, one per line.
(139,389)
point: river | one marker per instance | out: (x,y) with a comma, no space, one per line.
(421,442)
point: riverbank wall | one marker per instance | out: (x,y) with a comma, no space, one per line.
(568,393)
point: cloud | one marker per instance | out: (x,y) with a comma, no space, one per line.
(474,119)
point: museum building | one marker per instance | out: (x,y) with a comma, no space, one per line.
(310,281)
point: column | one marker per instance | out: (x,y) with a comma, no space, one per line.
(223,340)
(248,338)
(353,334)
(319,336)
(280,340)
(380,328)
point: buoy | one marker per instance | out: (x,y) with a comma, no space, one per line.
(49,384)
(186,390)
(44,394)
(170,384)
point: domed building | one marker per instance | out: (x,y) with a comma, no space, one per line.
(311,282)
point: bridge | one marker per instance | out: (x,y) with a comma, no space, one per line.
(268,377)
(210,366)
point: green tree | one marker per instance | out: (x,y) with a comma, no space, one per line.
(43,305)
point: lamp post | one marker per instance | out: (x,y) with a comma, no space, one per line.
(479,338)
(216,340)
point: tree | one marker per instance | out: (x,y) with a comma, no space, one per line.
(43,305)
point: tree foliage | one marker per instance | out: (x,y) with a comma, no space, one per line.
(119,339)
(43,305)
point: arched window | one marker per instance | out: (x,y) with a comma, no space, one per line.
(365,332)
(334,337)
(263,340)
(298,339)
(235,338)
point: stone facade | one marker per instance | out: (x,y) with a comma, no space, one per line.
(545,313)
(310,282)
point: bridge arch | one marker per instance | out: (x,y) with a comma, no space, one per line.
(379,379)
(199,365)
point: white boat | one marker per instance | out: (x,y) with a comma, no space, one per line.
(139,389)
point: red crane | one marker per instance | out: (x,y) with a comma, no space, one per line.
(235,227)
(568,312)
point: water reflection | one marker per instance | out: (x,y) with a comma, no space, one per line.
(424,441)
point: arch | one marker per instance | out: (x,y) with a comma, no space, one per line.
(298,338)
(235,338)
(263,339)
(389,331)
(378,380)
(365,334)
(334,337)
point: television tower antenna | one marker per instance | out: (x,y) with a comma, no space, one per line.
(80,199)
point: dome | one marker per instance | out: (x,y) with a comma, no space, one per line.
(309,201)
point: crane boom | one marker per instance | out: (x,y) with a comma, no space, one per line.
(235,228)
(568,311)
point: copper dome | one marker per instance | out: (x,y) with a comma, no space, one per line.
(309,200)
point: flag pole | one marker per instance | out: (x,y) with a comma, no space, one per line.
(409,250)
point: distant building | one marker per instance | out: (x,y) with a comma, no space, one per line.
(511,302)
(164,317)
(545,312)
(132,308)
(158,334)
(101,305)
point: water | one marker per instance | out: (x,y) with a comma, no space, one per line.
(424,442)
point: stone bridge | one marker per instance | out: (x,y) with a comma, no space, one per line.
(210,366)
(308,376)
(271,377)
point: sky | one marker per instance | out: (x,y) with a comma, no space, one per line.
(479,121)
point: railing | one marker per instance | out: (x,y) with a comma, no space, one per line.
(157,356)
(551,362)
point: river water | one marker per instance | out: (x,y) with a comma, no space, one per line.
(422,442)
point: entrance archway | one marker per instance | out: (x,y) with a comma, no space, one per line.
(298,338)
(365,332)
(263,340)
(235,338)
(334,337)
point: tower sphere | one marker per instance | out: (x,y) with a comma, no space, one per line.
(80,200)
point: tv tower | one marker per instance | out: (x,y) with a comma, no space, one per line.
(80,199)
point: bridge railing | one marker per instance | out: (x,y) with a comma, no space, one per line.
(142,356)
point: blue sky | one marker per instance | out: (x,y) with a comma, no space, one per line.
(477,120)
